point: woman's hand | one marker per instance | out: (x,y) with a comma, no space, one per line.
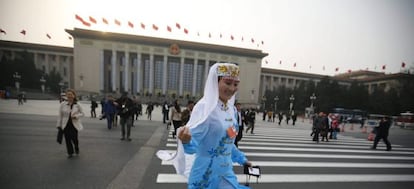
(248,164)
(184,135)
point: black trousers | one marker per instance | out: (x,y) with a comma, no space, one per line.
(384,138)
(239,136)
(71,138)
(176,124)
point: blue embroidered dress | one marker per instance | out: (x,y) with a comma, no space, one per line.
(215,152)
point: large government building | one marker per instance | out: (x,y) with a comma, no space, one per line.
(157,68)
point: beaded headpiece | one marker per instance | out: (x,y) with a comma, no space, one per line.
(228,70)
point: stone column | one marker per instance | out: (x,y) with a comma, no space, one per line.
(126,72)
(113,71)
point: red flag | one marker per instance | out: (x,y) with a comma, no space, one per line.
(242,38)
(78,18)
(169,28)
(280,62)
(117,22)
(294,65)
(154,27)
(48,36)
(93,20)
(323,68)
(231,37)
(178,25)
(69,37)
(81,20)
(86,23)
(23,32)
(185,31)
(403,64)
(209,35)
(221,35)
(252,40)
(2,31)
(262,42)
(142,25)
(198,33)
(105,21)
(383,67)
(336,69)
(349,71)
(266,62)
(130,24)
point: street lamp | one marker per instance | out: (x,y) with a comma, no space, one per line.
(42,81)
(61,86)
(276,99)
(17,78)
(264,102)
(312,98)
(292,99)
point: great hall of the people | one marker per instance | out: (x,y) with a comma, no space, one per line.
(104,62)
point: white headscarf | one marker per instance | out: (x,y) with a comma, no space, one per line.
(181,161)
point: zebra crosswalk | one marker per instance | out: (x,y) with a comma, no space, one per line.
(288,155)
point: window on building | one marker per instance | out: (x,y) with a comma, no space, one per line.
(200,77)
(188,75)
(146,73)
(158,73)
(65,72)
(173,74)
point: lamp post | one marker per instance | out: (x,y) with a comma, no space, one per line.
(312,98)
(264,102)
(17,78)
(42,86)
(61,86)
(292,99)
(276,99)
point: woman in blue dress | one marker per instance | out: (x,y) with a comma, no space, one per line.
(206,149)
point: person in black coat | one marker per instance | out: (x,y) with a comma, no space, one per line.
(240,122)
(382,132)
(126,110)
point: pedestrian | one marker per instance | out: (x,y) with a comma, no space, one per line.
(251,120)
(126,112)
(287,118)
(382,132)
(240,123)
(150,108)
(185,115)
(280,116)
(324,127)
(94,105)
(294,117)
(334,126)
(175,117)
(165,112)
(109,111)
(103,101)
(317,126)
(69,121)
(210,135)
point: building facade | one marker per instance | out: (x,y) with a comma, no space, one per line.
(46,57)
(155,67)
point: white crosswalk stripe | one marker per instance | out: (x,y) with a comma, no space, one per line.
(278,149)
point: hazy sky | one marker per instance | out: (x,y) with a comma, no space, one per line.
(318,35)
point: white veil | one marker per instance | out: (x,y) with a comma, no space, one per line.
(181,161)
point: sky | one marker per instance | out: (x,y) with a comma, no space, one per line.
(325,37)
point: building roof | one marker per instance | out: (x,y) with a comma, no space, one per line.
(163,42)
(292,73)
(34,46)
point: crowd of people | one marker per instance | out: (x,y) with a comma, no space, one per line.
(207,132)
